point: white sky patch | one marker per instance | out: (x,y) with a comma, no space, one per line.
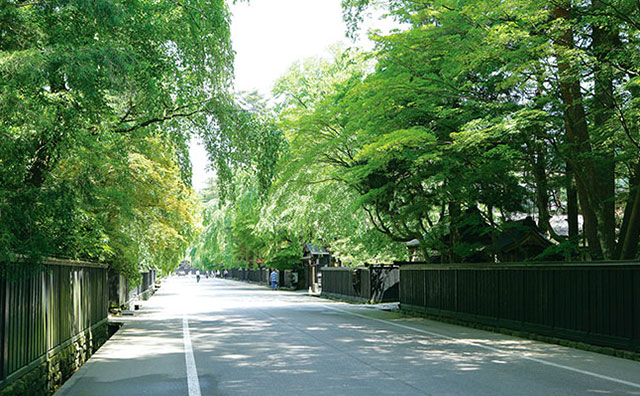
(268,36)
(199,163)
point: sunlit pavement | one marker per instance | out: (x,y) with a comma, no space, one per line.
(248,340)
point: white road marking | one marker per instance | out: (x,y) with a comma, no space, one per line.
(431,333)
(192,372)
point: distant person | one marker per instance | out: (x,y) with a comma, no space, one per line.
(198,276)
(274,280)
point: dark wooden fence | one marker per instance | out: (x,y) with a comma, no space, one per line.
(343,283)
(595,303)
(375,283)
(237,273)
(145,287)
(43,311)
(287,278)
(120,292)
(260,275)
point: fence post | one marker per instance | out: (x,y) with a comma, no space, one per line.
(3,320)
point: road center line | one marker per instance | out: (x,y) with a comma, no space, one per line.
(431,333)
(192,372)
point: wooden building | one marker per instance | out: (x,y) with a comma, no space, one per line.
(520,240)
(515,241)
(314,257)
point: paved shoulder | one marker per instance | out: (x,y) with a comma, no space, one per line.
(145,357)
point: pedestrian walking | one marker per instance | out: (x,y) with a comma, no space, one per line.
(274,280)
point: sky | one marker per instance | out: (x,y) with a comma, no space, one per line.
(268,36)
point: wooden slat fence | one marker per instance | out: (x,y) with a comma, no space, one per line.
(239,273)
(44,310)
(286,278)
(147,283)
(260,275)
(120,293)
(343,282)
(375,283)
(595,303)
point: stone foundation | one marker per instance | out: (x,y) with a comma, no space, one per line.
(44,378)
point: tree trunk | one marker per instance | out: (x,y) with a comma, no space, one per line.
(454,234)
(494,241)
(45,151)
(542,191)
(41,164)
(572,206)
(630,230)
(605,40)
(579,146)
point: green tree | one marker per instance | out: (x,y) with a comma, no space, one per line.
(84,88)
(311,197)
(569,71)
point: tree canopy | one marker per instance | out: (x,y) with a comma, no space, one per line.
(471,115)
(542,94)
(98,101)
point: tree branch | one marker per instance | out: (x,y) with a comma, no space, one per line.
(188,9)
(177,112)
(30,3)
(156,120)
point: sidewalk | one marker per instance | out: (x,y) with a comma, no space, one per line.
(145,357)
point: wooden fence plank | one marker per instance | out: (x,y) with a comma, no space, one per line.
(597,303)
(3,330)
(42,310)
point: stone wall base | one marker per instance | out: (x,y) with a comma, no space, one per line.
(45,376)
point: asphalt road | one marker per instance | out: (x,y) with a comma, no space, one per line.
(221,337)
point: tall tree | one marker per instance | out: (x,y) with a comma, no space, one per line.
(575,61)
(91,81)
